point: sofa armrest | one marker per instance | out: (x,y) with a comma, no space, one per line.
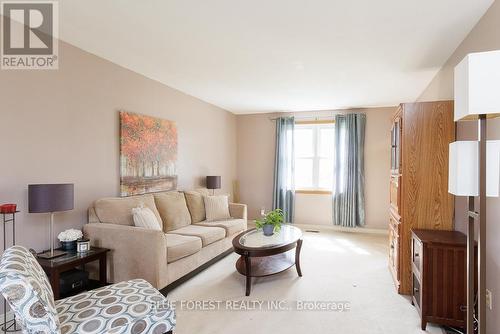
(92,215)
(135,252)
(238,210)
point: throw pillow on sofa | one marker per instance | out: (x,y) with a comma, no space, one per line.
(119,210)
(145,218)
(196,205)
(216,207)
(173,210)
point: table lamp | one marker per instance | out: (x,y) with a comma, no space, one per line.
(50,198)
(474,165)
(213,182)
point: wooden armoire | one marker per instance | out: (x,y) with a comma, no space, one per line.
(419,198)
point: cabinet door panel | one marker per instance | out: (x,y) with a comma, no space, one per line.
(394,194)
(394,247)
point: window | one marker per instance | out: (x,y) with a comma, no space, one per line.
(314,151)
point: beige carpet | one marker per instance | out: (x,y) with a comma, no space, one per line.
(336,267)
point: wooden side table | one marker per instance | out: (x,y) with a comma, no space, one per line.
(439,263)
(54,267)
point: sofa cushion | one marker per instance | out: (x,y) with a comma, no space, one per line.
(179,246)
(196,206)
(208,234)
(216,207)
(118,210)
(232,226)
(173,210)
(127,307)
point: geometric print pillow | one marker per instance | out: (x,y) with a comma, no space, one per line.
(27,290)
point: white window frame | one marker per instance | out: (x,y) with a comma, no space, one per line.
(316,126)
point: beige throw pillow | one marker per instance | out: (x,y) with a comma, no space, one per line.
(173,210)
(145,218)
(216,207)
(196,206)
(117,210)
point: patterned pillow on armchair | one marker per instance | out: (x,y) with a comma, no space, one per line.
(26,288)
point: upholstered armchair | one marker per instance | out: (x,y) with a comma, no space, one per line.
(127,307)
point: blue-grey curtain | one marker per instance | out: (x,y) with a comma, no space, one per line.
(284,165)
(349,182)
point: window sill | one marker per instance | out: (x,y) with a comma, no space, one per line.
(313,192)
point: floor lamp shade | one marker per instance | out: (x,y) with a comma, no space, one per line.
(43,198)
(477,81)
(464,168)
(213,182)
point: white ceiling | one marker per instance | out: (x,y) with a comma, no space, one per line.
(277,55)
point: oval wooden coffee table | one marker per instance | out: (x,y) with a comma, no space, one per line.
(267,255)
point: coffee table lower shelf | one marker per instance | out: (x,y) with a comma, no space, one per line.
(267,265)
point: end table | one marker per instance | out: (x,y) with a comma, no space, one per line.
(54,267)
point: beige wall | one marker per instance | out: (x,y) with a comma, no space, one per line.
(256,164)
(313,209)
(484,37)
(62,126)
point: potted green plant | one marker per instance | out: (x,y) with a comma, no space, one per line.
(271,222)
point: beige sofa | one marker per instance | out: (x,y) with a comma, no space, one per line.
(186,243)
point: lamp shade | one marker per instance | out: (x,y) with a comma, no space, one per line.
(477,81)
(213,182)
(464,168)
(44,198)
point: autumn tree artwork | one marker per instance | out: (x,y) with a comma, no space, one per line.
(148,154)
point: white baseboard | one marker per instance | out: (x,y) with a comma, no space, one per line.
(343,229)
(335,228)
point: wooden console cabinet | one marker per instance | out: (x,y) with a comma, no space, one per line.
(439,280)
(419,198)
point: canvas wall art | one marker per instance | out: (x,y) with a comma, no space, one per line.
(148,154)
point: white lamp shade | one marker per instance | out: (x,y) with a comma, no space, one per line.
(464,168)
(477,84)
(463,177)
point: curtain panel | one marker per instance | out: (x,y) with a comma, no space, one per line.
(349,180)
(284,165)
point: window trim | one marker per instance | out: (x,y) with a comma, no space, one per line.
(313,192)
(315,158)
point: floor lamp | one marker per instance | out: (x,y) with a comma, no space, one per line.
(477,83)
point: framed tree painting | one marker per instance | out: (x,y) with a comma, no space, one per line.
(148,154)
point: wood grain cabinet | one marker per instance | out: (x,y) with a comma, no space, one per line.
(439,286)
(419,198)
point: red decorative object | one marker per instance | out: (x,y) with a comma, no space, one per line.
(8,208)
